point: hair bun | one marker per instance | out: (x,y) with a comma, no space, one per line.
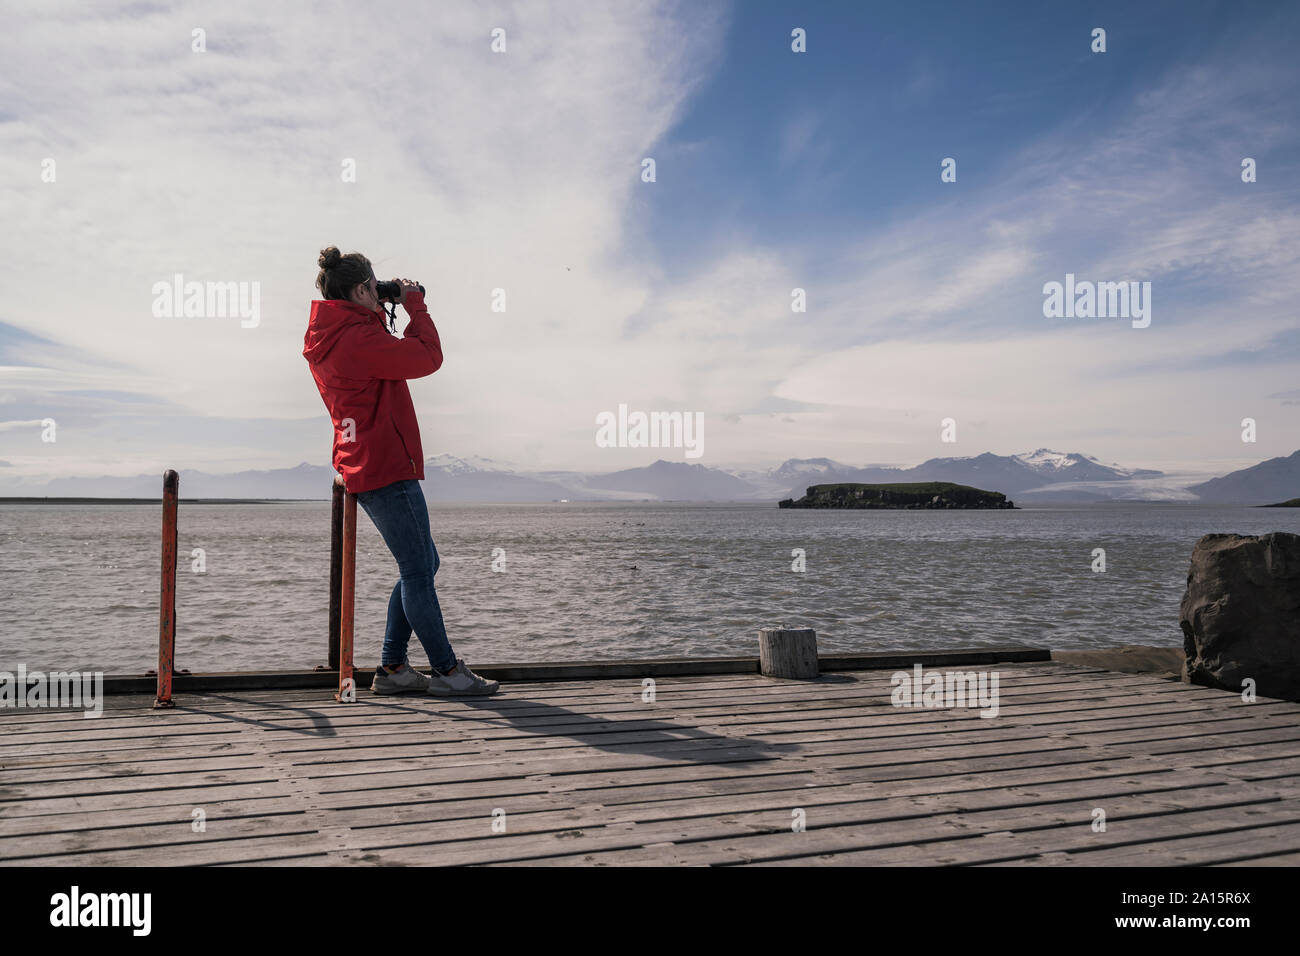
(330,257)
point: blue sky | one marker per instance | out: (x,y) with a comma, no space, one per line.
(774,170)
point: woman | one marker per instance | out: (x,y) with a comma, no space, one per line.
(361,372)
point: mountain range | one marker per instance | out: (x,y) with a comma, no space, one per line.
(1009,474)
(1041,476)
(1269,482)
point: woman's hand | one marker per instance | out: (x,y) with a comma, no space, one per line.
(408,286)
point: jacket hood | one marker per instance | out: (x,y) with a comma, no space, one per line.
(329,319)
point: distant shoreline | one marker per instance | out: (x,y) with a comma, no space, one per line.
(737,502)
(153,501)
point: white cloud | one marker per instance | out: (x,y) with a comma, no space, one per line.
(521,171)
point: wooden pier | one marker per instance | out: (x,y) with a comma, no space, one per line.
(716,769)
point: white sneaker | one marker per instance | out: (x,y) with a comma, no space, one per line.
(405,680)
(461,682)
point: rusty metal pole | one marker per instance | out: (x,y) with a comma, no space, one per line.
(347,592)
(336,568)
(167,604)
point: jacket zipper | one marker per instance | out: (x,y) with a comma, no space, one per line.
(404,448)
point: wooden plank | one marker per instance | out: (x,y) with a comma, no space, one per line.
(73,774)
(899,714)
(1272,859)
(201,854)
(125,818)
(537,813)
(187,796)
(737,779)
(587,770)
(553,722)
(175,839)
(587,690)
(470,839)
(589,670)
(213,706)
(398,757)
(1202,849)
(754,836)
(943,840)
(125,749)
(143,719)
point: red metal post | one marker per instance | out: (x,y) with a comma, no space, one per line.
(347,592)
(167,604)
(336,568)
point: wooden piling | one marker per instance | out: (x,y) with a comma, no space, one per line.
(789,652)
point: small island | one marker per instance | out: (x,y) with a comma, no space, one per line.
(1293,503)
(923,494)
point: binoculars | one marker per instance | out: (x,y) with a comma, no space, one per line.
(392,290)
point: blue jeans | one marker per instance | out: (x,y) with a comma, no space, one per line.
(399,512)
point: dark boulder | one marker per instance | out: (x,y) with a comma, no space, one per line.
(1241,614)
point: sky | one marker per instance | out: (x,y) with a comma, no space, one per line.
(128,157)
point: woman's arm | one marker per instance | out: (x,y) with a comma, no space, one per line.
(370,352)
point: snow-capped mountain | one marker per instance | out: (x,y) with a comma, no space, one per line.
(1044,459)
(451,465)
(1060,466)
(817,469)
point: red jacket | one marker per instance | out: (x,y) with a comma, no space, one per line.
(361,371)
